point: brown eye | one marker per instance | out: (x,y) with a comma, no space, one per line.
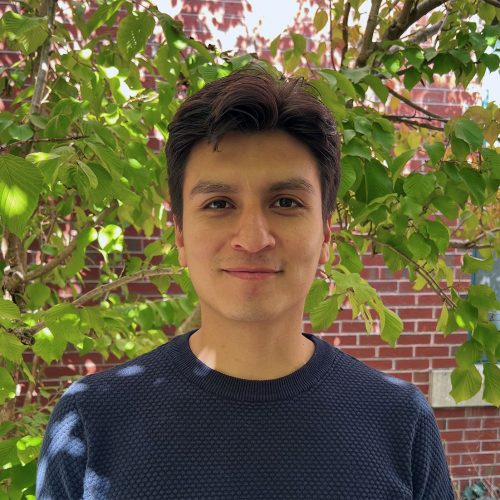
(288,203)
(215,204)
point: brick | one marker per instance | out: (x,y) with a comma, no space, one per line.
(480,435)
(414,339)
(385,286)
(464,447)
(416,313)
(440,363)
(360,352)
(492,471)
(426,326)
(449,436)
(453,460)
(490,446)
(399,300)
(451,412)
(412,364)
(491,423)
(431,351)
(395,352)
(478,458)
(456,338)
(407,376)
(461,470)
(465,423)
(421,378)
(425,300)
(380,364)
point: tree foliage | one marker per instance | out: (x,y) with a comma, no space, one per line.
(78,170)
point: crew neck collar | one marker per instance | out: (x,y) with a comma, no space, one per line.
(234,388)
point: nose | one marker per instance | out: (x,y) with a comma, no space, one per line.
(253,233)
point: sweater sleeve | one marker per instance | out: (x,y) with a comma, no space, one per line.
(431,478)
(63,456)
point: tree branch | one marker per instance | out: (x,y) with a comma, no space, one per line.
(493,2)
(58,259)
(473,243)
(332,58)
(345,31)
(25,334)
(4,147)
(412,123)
(43,64)
(367,42)
(414,105)
(418,269)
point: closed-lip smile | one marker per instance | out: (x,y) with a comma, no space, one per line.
(259,273)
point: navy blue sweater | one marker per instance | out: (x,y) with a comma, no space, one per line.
(166,426)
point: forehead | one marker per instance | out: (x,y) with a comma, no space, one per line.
(261,159)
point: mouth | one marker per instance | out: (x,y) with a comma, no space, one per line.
(252,274)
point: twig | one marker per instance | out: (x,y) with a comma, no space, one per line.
(414,105)
(330,14)
(3,147)
(345,31)
(58,259)
(418,269)
(43,64)
(472,243)
(25,334)
(366,46)
(412,123)
(493,2)
(415,117)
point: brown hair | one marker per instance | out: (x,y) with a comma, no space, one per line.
(252,100)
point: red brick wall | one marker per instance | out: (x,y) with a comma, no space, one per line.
(471,435)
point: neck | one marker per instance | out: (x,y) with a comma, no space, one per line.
(252,351)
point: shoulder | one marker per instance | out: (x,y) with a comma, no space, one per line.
(371,386)
(122,378)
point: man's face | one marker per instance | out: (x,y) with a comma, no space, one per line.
(254,205)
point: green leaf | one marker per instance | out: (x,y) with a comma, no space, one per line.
(323,315)
(391,326)
(20,187)
(8,452)
(320,19)
(9,310)
(11,347)
(20,132)
(435,152)
(469,132)
(29,32)
(492,384)
(63,320)
(487,335)
(438,233)
(400,161)
(7,386)
(466,315)
(473,264)
(48,346)
(375,183)
(28,448)
(57,126)
(418,246)
(349,257)
(299,44)
(446,206)
(317,292)
(38,294)
(274,45)
(356,147)
(474,183)
(103,13)
(133,33)
(347,176)
(345,85)
(468,353)
(419,186)
(466,382)
(378,87)
(483,297)
(411,77)
(161,282)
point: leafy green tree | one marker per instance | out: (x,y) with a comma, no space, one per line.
(78,170)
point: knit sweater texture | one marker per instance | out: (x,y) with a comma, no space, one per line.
(167,426)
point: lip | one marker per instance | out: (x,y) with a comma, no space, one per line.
(251,274)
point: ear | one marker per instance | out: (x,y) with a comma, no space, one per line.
(179,243)
(325,246)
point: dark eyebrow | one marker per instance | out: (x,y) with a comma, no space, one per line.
(291,184)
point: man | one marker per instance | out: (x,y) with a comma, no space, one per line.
(247,406)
